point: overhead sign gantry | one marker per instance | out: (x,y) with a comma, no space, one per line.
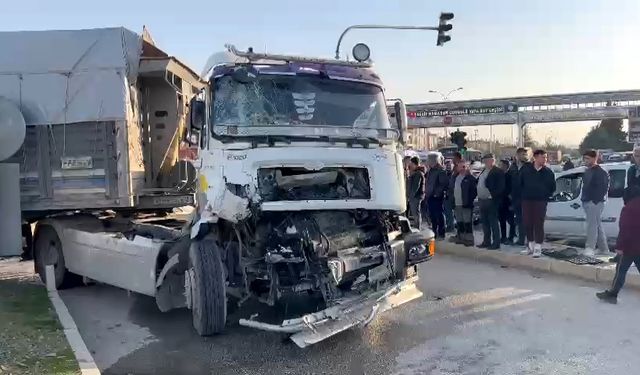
(520,111)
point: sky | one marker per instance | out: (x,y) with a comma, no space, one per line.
(499,48)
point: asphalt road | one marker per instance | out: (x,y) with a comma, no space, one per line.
(474,319)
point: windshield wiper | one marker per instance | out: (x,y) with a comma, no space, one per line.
(270,140)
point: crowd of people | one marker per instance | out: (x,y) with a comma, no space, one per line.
(512,197)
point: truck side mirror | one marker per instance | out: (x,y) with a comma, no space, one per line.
(197,114)
(401,118)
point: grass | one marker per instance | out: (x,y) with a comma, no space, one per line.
(31,338)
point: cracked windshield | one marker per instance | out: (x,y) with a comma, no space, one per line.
(273,100)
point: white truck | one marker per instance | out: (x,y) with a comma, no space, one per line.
(300,187)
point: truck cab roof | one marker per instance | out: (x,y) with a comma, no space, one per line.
(339,72)
(225,62)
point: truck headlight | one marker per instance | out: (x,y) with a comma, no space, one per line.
(420,252)
(417,251)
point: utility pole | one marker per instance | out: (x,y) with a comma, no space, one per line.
(475,138)
(490,138)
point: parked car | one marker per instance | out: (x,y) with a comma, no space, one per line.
(555,168)
(565,215)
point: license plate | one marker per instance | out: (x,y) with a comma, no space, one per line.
(173,201)
(81,162)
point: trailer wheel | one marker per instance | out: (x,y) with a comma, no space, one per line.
(207,291)
(48,251)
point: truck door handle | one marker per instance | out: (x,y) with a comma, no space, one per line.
(575,206)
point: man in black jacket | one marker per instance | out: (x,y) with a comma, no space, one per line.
(506,211)
(436,185)
(462,192)
(633,175)
(568,164)
(522,157)
(415,190)
(448,201)
(490,191)
(537,185)
(633,181)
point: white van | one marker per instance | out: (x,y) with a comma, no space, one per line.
(565,215)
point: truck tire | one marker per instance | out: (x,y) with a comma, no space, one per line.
(27,249)
(48,251)
(208,290)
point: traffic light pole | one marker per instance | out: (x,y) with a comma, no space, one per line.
(520,124)
(386,27)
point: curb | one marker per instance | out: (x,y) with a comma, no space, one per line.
(599,274)
(85,360)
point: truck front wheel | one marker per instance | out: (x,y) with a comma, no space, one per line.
(48,251)
(205,279)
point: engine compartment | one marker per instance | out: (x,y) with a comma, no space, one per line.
(330,252)
(296,183)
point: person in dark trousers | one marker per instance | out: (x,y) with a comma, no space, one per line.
(415,190)
(505,212)
(521,158)
(457,160)
(448,201)
(633,174)
(436,185)
(537,185)
(405,167)
(633,179)
(627,246)
(463,192)
(490,195)
(568,164)
(595,188)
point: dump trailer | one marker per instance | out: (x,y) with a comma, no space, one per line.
(105,111)
(300,193)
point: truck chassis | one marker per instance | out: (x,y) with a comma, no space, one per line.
(155,256)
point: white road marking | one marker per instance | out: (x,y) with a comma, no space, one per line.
(83,356)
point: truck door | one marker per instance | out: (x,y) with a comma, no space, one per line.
(565,215)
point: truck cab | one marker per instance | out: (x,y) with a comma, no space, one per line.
(302,183)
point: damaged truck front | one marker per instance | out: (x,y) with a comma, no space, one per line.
(301,190)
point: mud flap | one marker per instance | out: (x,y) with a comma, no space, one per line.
(315,327)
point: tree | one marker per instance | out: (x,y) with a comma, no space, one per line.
(551,144)
(528,140)
(606,135)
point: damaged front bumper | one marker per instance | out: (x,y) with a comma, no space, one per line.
(315,327)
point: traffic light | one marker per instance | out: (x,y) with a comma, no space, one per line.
(443,27)
(458,139)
